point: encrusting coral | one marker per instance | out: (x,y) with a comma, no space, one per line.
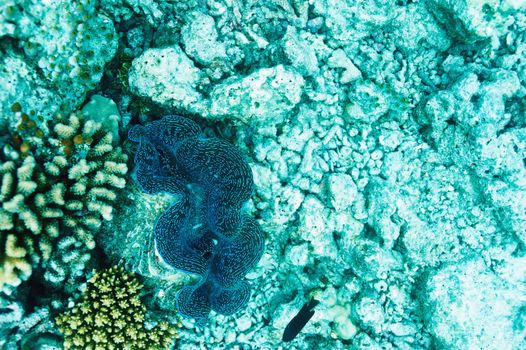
(66,45)
(110,315)
(63,184)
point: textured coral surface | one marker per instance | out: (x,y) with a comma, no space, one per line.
(385,142)
(61,185)
(110,315)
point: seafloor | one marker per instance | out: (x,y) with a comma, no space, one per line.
(386,141)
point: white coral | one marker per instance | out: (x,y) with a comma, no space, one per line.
(5,188)
(79,170)
(6,220)
(57,193)
(14,267)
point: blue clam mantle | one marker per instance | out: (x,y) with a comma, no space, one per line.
(205,232)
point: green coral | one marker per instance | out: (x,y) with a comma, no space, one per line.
(62,184)
(110,315)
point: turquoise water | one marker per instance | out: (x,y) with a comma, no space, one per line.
(279,174)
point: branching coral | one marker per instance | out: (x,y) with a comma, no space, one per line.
(14,264)
(65,184)
(110,315)
(67,264)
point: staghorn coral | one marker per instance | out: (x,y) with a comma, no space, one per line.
(110,315)
(206,231)
(64,184)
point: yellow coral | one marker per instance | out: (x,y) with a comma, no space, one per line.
(14,265)
(80,170)
(110,315)
(63,184)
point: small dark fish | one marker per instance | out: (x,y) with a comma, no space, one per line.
(300,320)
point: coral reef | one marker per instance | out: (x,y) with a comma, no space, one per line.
(467,313)
(110,315)
(386,143)
(56,53)
(204,232)
(15,265)
(64,184)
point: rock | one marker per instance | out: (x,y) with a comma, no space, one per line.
(368,102)
(370,261)
(383,202)
(348,228)
(199,37)
(315,228)
(340,316)
(311,217)
(341,190)
(168,77)
(467,306)
(265,97)
(417,240)
(349,20)
(299,52)
(364,342)
(415,26)
(288,202)
(243,322)
(265,181)
(340,60)
(370,314)
(297,255)
(468,20)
